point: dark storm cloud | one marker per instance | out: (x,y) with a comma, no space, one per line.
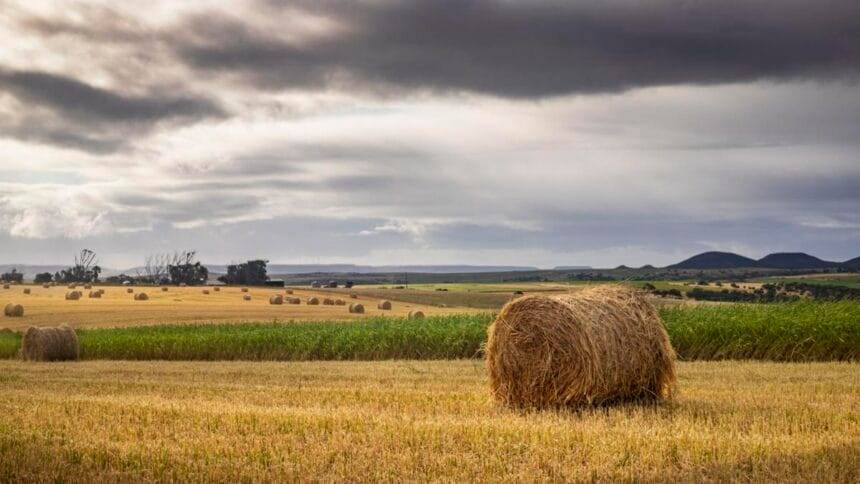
(76,100)
(535,49)
(63,111)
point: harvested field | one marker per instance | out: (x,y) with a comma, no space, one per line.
(415,421)
(48,307)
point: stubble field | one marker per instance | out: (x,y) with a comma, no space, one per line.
(415,420)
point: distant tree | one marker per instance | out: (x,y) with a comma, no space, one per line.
(251,273)
(12,277)
(43,278)
(85,269)
(185,269)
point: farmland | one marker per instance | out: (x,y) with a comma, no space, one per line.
(414,420)
(45,307)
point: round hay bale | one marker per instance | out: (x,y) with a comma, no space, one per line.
(313,301)
(244,289)
(73,295)
(46,286)
(130,291)
(277,300)
(182,284)
(216,289)
(293,300)
(50,344)
(600,346)
(5,286)
(27,290)
(164,289)
(339,302)
(95,295)
(356,308)
(415,314)
(206,292)
(13,311)
(88,286)
(288,291)
(353,296)
(141,296)
(384,305)
(246,297)
(73,286)
(328,301)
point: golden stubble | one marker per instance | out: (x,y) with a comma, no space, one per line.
(411,420)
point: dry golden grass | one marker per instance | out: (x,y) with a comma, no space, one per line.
(404,420)
(48,307)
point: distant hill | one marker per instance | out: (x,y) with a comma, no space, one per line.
(715,260)
(853,264)
(275,269)
(570,268)
(794,260)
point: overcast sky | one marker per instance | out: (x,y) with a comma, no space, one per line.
(597,132)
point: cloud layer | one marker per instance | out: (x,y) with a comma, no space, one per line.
(543,133)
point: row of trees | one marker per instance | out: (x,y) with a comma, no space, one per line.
(177,268)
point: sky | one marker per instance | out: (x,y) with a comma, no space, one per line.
(543,133)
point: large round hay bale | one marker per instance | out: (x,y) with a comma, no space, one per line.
(602,345)
(339,302)
(384,305)
(13,311)
(95,295)
(293,300)
(141,296)
(276,299)
(328,301)
(73,295)
(313,301)
(27,290)
(415,314)
(50,344)
(356,308)
(246,297)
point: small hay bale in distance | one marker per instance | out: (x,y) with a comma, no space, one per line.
(95,295)
(27,290)
(73,295)
(88,286)
(276,299)
(339,302)
(415,314)
(46,286)
(356,308)
(384,305)
(246,297)
(141,296)
(205,292)
(353,296)
(293,300)
(328,302)
(216,289)
(5,286)
(73,286)
(50,344)
(244,289)
(288,291)
(165,289)
(600,346)
(13,310)
(130,291)
(313,301)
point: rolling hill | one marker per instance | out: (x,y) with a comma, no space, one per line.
(794,260)
(715,260)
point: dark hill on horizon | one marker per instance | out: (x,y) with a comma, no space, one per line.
(794,260)
(715,260)
(853,264)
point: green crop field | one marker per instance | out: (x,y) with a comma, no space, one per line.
(801,331)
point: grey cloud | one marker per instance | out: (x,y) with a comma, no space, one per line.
(536,49)
(66,112)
